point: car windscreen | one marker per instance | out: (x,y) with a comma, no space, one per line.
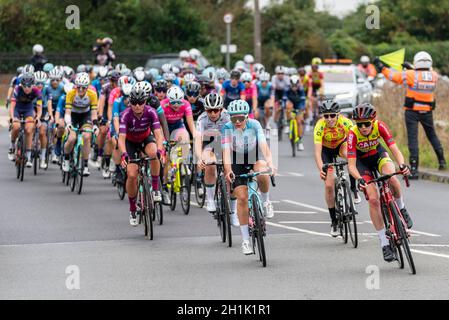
(338,76)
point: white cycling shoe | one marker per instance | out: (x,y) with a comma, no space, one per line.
(211,207)
(66,165)
(106,174)
(300,146)
(54,159)
(29,164)
(43,164)
(246,248)
(269,211)
(86,172)
(11,155)
(157,197)
(133,219)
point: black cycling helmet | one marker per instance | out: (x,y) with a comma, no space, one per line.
(193,88)
(138,95)
(364,111)
(114,75)
(27,79)
(160,85)
(329,106)
(235,74)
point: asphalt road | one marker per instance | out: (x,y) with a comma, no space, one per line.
(46,232)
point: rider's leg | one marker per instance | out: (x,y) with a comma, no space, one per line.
(131,185)
(329,195)
(289,108)
(86,146)
(29,132)
(241,194)
(210,174)
(151,151)
(101,139)
(43,139)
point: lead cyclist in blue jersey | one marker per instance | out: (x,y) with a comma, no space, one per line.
(245,149)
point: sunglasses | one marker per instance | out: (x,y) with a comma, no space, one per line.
(192,93)
(176,102)
(365,124)
(27,86)
(82,87)
(240,119)
(161,90)
(213,111)
(331,116)
(246,81)
(137,102)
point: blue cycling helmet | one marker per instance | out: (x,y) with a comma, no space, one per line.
(238,107)
(48,67)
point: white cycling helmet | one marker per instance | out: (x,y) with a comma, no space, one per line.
(40,77)
(238,107)
(209,73)
(68,87)
(126,72)
(145,87)
(126,89)
(258,67)
(222,74)
(264,76)
(138,69)
(194,53)
(294,80)
(169,76)
(249,59)
(184,54)
(120,67)
(246,76)
(280,70)
(213,101)
(55,74)
(68,71)
(364,59)
(240,65)
(175,93)
(139,75)
(126,79)
(28,68)
(82,79)
(102,72)
(175,70)
(38,49)
(422,60)
(189,77)
(166,68)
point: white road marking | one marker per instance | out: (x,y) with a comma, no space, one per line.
(431,253)
(306,205)
(297,229)
(425,233)
(431,245)
(296,174)
(310,222)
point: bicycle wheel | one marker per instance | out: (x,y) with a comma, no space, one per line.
(351,219)
(172,198)
(147,207)
(392,238)
(292,135)
(35,161)
(74,175)
(184,194)
(340,210)
(80,171)
(258,229)
(18,156)
(403,238)
(200,199)
(226,208)
(220,213)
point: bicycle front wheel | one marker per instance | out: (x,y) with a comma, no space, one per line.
(185,191)
(259,229)
(226,208)
(351,219)
(292,135)
(404,241)
(80,172)
(147,207)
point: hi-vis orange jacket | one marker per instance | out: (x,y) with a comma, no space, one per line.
(420,86)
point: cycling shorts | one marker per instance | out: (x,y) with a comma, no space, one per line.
(26,114)
(367,166)
(134,149)
(81,120)
(329,155)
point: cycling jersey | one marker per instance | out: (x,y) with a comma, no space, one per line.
(97,85)
(243,141)
(50,93)
(250,93)
(79,104)
(24,102)
(138,129)
(206,127)
(231,93)
(297,98)
(175,118)
(315,80)
(263,94)
(106,91)
(61,105)
(115,93)
(118,107)
(15,81)
(332,137)
(360,146)
(197,108)
(280,86)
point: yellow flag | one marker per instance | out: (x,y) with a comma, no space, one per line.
(394,59)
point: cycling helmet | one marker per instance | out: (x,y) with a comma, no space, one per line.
(175,93)
(301,71)
(160,85)
(89,68)
(27,79)
(68,72)
(154,73)
(221,74)
(193,88)
(209,73)
(68,87)
(139,75)
(184,54)
(235,74)
(102,72)
(258,68)
(316,61)
(55,74)
(240,65)
(114,75)
(145,86)
(364,111)
(107,40)
(166,68)
(40,77)
(126,89)
(126,72)
(126,79)
(28,68)
(194,53)
(238,107)
(364,59)
(19,70)
(329,106)
(169,76)
(246,76)
(294,79)
(249,59)
(189,77)
(48,67)
(175,70)
(291,71)
(119,67)
(140,68)
(264,76)
(82,79)
(81,68)
(38,49)
(138,94)
(213,101)
(280,70)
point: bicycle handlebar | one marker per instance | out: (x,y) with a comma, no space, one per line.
(334,164)
(385,178)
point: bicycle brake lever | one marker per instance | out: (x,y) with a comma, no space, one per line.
(273,181)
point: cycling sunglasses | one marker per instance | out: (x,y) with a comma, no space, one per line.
(246,81)
(135,102)
(192,93)
(213,110)
(176,102)
(329,115)
(365,124)
(235,119)
(160,90)
(82,87)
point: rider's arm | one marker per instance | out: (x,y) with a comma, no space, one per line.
(318,160)
(50,107)
(255,98)
(122,143)
(164,124)
(13,104)
(94,106)
(198,146)
(226,138)
(191,124)
(352,155)
(101,103)
(159,138)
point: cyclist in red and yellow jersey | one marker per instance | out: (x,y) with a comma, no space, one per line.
(366,155)
(315,88)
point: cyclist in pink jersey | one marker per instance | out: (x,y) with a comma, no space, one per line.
(250,93)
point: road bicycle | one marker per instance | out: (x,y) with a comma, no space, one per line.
(20,150)
(179,181)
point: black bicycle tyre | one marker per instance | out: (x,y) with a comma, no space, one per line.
(227,209)
(393,244)
(352,223)
(184,194)
(257,214)
(148,210)
(220,213)
(80,172)
(199,199)
(404,238)
(172,199)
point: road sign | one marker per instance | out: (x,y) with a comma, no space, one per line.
(232,48)
(228,17)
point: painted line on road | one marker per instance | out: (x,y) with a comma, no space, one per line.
(306,205)
(296,174)
(425,233)
(310,222)
(300,230)
(430,253)
(431,245)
